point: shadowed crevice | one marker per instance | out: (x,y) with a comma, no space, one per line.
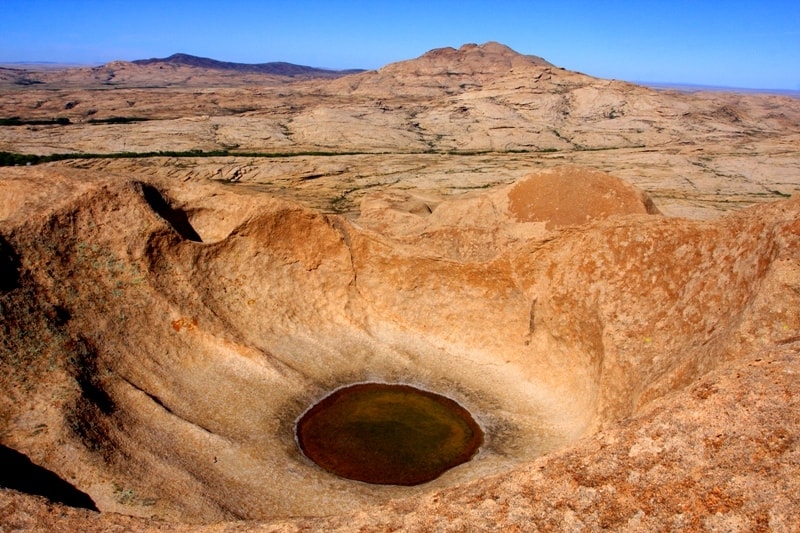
(20,474)
(9,266)
(89,417)
(87,372)
(176,218)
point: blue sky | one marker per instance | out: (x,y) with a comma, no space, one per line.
(731,43)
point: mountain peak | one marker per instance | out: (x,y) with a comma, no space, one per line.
(446,71)
(488,52)
(468,64)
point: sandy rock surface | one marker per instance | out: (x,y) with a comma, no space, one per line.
(447,121)
(622,321)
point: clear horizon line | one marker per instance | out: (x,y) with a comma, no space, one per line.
(690,87)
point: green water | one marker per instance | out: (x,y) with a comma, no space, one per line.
(388,434)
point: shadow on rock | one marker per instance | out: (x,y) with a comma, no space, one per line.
(19,473)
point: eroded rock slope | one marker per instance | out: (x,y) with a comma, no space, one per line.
(159,341)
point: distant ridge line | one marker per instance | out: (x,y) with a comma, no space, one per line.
(279,68)
(692,88)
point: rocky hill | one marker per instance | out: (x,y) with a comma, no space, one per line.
(177,70)
(278,68)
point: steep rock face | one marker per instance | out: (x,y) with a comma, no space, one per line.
(160,340)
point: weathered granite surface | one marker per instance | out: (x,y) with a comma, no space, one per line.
(630,347)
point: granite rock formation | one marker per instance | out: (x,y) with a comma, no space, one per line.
(147,357)
(166,321)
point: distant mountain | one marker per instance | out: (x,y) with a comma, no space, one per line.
(277,68)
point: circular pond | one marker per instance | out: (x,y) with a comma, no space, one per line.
(388,434)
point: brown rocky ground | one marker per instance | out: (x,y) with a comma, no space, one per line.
(630,350)
(450,120)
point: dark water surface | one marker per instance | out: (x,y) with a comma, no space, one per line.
(388,434)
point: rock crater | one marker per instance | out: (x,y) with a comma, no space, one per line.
(606,277)
(144,359)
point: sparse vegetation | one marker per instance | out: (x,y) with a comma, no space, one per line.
(16,121)
(10,159)
(16,159)
(117,120)
(128,496)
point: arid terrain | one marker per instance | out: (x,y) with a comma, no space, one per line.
(605,275)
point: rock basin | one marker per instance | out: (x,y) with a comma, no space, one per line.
(161,368)
(388,433)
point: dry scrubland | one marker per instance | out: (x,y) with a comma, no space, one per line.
(606,276)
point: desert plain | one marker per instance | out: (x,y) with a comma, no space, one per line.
(606,275)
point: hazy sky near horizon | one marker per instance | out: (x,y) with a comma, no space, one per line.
(752,44)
